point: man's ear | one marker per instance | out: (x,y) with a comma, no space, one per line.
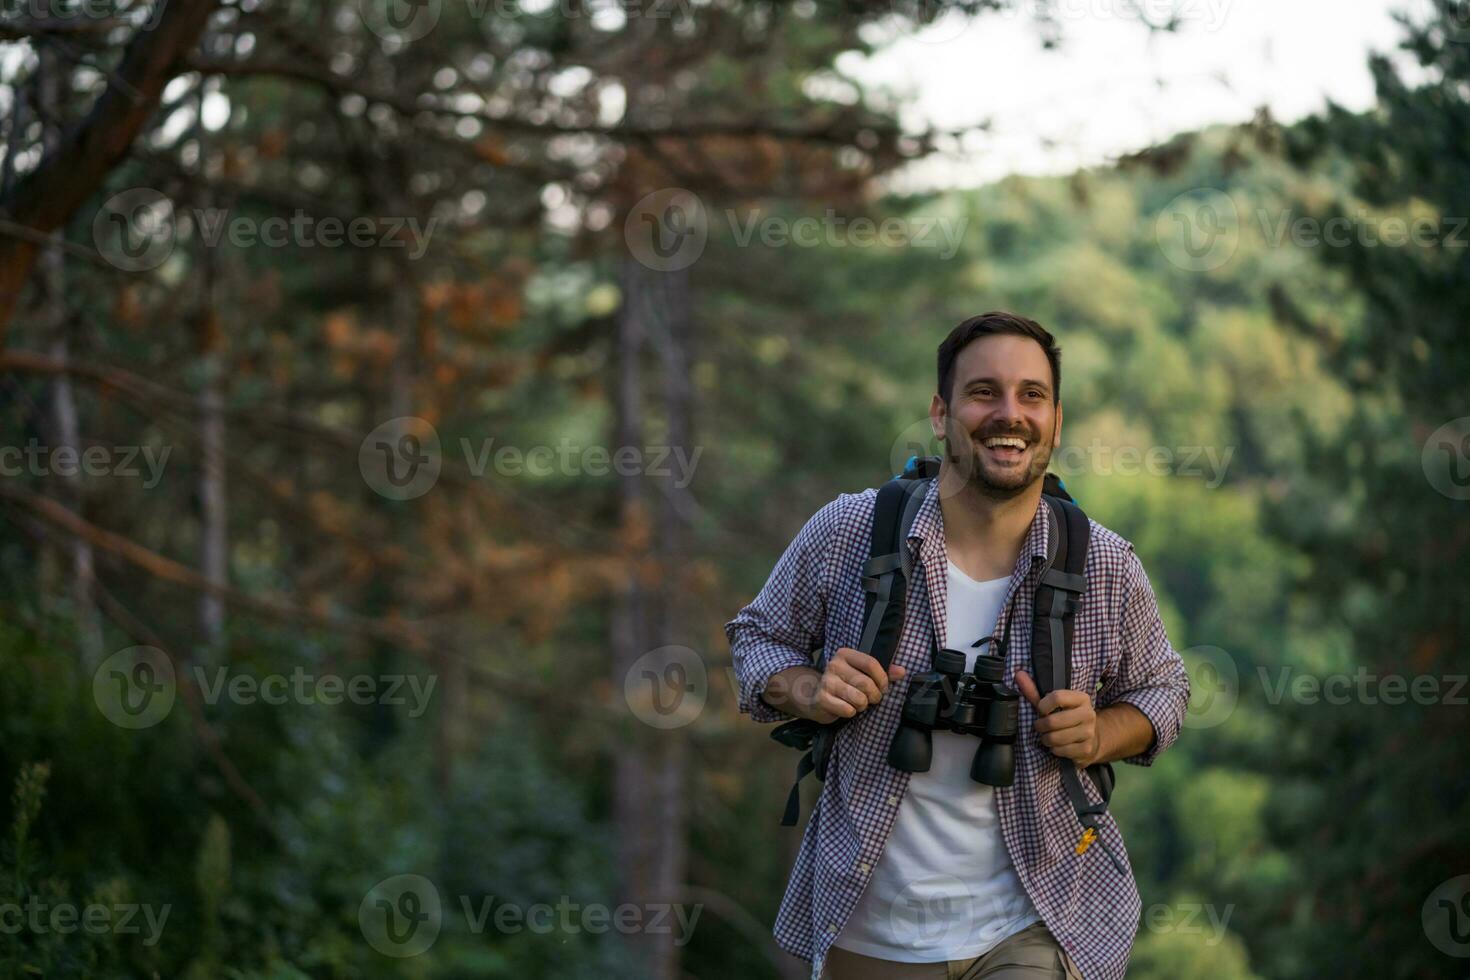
(1056,439)
(938,413)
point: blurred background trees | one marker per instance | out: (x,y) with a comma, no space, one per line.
(506,160)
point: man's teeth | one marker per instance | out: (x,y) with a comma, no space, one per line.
(997,441)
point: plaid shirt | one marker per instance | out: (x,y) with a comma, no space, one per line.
(813,599)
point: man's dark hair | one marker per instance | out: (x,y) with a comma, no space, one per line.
(989,324)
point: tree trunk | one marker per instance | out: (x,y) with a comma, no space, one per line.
(74,168)
(672,315)
(649,790)
(56,327)
(213,511)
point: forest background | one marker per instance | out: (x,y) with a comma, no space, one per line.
(397,399)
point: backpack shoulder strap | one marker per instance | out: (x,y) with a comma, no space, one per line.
(1059,593)
(1058,596)
(885,580)
(888,568)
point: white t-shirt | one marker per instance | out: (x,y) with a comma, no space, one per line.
(944,887)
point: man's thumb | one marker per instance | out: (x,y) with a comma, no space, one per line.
(1028,690)
(895,672)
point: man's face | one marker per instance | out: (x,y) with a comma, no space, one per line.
(1001,390)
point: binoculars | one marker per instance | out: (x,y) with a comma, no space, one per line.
(948,698)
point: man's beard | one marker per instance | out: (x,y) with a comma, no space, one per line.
(971,459)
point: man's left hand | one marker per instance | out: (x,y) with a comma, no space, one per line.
(1066,721)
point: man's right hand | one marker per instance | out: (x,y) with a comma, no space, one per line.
(852,682)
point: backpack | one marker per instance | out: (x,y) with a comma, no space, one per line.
(886,574)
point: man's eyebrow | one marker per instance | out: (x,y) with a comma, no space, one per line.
(994,381)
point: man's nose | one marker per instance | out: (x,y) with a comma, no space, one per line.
(1010,409)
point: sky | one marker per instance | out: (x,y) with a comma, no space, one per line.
(1113,86)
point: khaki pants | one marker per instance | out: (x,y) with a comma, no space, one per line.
(1031,954)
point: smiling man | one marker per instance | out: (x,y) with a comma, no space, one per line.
(932,875)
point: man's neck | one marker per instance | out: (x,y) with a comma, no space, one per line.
(984,534)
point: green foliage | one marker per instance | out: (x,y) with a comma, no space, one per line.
(1291,390)
(246,904)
